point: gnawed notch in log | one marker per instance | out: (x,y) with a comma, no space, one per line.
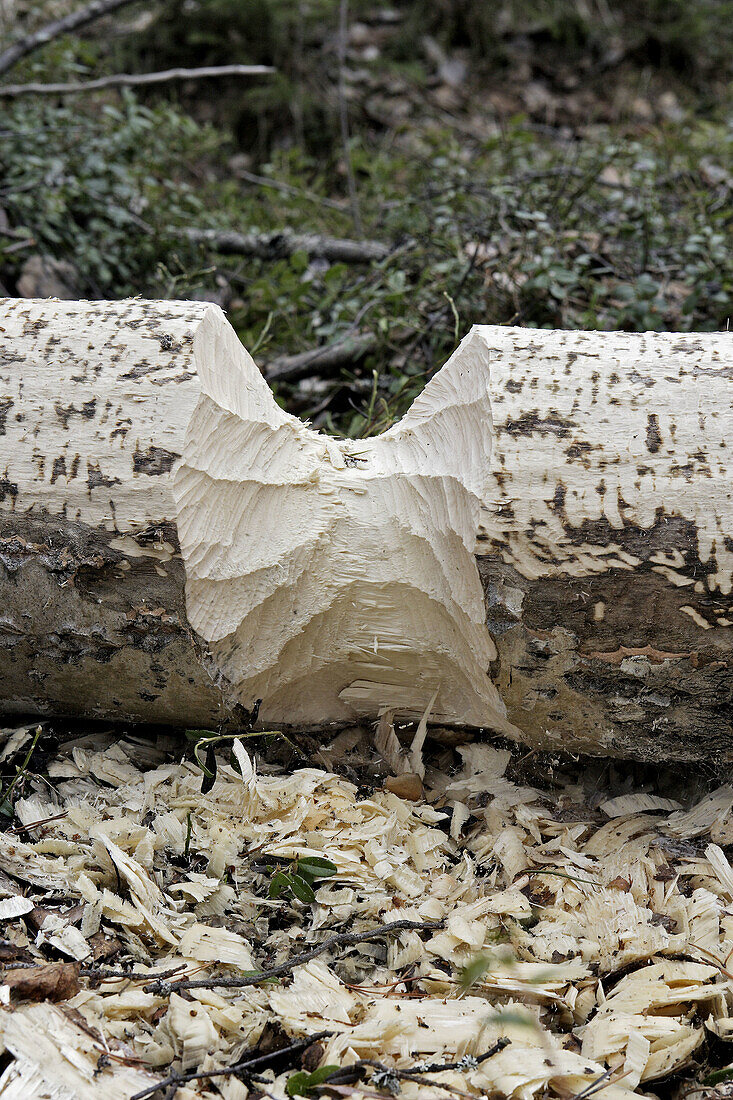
(605,551)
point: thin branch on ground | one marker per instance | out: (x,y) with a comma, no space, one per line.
(342,939)
(69,23)
(390,1071)
(284,243)
(467,1062)
(287,189)
(175,1080)
(289,368)
(134,80)
(98,974)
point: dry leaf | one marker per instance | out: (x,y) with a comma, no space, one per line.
(53,982)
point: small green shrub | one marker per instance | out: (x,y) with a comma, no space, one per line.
(105,188)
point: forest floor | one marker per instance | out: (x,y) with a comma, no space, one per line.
(507,924)
(568,170)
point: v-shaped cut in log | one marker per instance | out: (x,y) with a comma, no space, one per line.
(174,546)
(330,579)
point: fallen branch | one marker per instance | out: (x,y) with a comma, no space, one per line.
(387,1077)
(132,80)
(416,1073)
(467,1062)
(283,243)
(71,22)
(243,1064)
(343,939)
(289,368)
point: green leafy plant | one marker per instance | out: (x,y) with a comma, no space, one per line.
(104,189)
(302,1082)
(7,799)
(298,879)
(718,1076)
(205,743)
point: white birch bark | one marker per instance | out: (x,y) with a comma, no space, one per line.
(174,547)
(606,548)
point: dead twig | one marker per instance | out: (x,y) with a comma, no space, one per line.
(283,243)
(175,1080)
(287,189)
(467,1062)
(99,975)
(383,1073)
(69,23)
(289,368)
(342,939)
(344,116)
(134,80)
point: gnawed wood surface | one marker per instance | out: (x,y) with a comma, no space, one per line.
(607,544)
(173,546)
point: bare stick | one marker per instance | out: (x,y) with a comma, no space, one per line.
(344,116)
(287,189)
(242,1064)
(71,22)
(276,246)
(133,80)
(289,368)
(343,939)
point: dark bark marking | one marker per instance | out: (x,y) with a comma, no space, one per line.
(59,468)
(95,477)
(531,422)
(154,461)
(653,438)
(6,404)
(8,488)
(580,449)
(65,413)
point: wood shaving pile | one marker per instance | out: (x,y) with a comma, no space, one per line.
(591,929)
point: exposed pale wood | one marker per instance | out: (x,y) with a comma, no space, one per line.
(51,1057)
(173,546)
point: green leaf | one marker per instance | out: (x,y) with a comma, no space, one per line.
(313,867)
(300,1084)
(280,881)
(474,971)
(725,1074)
(209,770)
(198,735)
(301,889)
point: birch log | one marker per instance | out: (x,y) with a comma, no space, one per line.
(173,546)
(606,549)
